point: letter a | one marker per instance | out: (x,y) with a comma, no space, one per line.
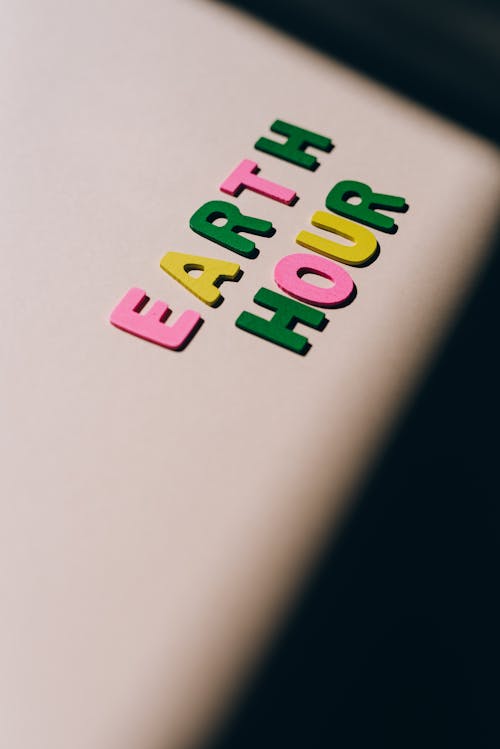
(214,272)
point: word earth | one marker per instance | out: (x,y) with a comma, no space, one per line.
(344,219)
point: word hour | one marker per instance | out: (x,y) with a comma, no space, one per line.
(301,298)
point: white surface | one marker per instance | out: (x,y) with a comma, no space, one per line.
(158,507)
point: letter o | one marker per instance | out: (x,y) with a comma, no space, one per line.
(290,269)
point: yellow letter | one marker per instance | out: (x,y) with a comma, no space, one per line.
(178,265)
(365,245)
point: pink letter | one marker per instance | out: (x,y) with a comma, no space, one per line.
(288,275)
(150,326)
(244,176)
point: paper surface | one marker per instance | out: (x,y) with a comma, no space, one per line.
(158,507)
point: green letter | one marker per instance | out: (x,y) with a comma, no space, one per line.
(364,212)
(202,222)
(279,329)
(293,148)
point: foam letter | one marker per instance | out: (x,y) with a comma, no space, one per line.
(364,212)
(293,148)
(178,265)
(150,326)
(244,176)
(227,235)
(279,329)
(365,246)
(288,275)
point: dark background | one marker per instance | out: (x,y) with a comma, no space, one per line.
(394,641)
